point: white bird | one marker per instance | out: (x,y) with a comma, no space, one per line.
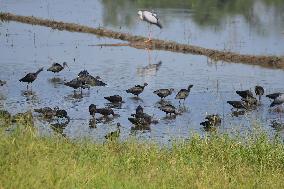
(151,18)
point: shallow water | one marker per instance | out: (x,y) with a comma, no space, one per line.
(25,48)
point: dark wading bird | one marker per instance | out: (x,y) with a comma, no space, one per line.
(245,94)
(56,67)
(151,18)
(139,121)
(259,91)
(103,111)
(248,98)
(50,113)
(169,109)
(162,93)
(114,135)
(141,118)
(274,95)
(76,84)
(183,93)
(90,80)
(30,77)
(211,121)
(278,100)
(137,89)
(250,102)
(114,99)
(238,104)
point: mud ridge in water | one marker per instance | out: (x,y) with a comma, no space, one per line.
(138,42)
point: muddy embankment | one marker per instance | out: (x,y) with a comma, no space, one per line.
(138,42)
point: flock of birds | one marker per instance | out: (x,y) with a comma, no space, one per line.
(84,81)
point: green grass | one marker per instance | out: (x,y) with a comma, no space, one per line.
(30,161)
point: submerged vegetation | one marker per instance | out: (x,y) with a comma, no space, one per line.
(217,161)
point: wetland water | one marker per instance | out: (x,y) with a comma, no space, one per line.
(253,27)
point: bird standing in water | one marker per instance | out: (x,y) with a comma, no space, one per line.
(103,111)
(56,67)
(151,18)
(30,77)
(245,94)
(162,93)
(114,99)
(274,95)
(238,104)
(137,89)
(183,93)
(169,109)
(141,118)
(278,100)
(75,84)
(259,91)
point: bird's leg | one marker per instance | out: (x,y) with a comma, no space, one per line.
(149,35)
(149,56)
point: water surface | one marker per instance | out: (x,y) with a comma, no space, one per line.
(25,48)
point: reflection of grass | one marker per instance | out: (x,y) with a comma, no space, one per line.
(28,161)
(206,12)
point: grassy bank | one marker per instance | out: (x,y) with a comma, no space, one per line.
(29,161)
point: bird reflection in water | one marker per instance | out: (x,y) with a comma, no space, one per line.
(143,128)
(103,119)
(30,96)
(150,69)
(77,96)
(114,105)
(56,82)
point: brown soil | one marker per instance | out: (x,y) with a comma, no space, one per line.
(138,42)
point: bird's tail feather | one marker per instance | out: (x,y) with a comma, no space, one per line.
(159,25)
(273,104)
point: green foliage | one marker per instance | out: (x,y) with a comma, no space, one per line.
(218,161)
